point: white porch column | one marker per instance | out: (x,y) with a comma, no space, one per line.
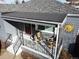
(55,56)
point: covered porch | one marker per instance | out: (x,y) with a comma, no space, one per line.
(36,33)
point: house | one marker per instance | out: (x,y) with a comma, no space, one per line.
(74,3)
(24,25)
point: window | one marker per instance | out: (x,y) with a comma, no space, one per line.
(40,27)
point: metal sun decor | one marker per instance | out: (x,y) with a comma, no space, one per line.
(68,27)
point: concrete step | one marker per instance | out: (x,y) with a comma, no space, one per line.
(10,49)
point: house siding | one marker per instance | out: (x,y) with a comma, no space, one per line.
(6,28)
(70,38)
(2,29)
(9,28)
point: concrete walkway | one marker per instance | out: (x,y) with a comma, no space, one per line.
(7,55)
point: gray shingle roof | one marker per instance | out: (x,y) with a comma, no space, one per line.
(40,6)
(52,17)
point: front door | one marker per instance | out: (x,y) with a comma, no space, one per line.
(29,28)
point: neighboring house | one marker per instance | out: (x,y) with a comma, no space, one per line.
(22,25)
(74,3)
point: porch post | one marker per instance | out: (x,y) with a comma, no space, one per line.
(57,38)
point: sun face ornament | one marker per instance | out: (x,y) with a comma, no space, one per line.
(69,27)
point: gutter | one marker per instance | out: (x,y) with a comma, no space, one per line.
(24,19)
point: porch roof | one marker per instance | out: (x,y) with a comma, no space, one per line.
(51,17)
